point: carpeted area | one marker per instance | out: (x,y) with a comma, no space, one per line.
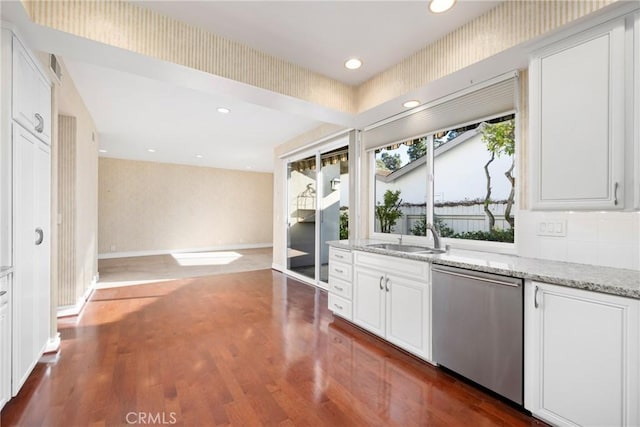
(159,268)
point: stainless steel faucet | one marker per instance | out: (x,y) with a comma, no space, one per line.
(436,236)
(400,239)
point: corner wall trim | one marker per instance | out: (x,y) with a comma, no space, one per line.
(76,309)
(53,345)
(177,251)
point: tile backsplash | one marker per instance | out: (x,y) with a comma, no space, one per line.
(599,238)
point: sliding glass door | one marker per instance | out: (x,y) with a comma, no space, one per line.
(302,204)
(334,204)
(317,209)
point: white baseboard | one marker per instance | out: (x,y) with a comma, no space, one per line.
(53,345)
(76,309)
(111,255)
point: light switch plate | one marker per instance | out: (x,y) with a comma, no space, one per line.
(553,228)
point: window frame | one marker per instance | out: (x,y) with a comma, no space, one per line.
(479,245)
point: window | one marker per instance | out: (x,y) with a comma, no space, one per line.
(474,181)
(449,162)
(401,188)
(473,194)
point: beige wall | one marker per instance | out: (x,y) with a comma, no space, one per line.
(82,191)
(153,207)
(130,27)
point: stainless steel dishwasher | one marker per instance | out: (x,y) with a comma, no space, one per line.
(478,328)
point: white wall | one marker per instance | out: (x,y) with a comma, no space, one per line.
(599,238)
(459,172)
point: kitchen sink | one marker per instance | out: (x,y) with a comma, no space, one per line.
(407,248)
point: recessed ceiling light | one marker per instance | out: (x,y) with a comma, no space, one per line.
(223,110)
(151,150)
(102,151)
(439,6)
(353,64)
(199,156)
(411,104)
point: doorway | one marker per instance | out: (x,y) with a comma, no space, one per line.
(318,209)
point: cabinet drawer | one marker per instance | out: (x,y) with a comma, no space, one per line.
(340,306)
(340,255)
(393,265)
(340,271)
(340,287)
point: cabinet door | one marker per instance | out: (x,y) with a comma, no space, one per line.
(578,121)
(407,314)
(31,97)
(584,365)
(369,300)
(24,93)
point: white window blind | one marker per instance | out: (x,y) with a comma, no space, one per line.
(488,100)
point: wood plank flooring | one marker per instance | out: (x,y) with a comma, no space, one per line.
(245,349)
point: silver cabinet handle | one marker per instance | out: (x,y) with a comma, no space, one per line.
(40,125)
(615,194)
(338,256)
(3,293)
(535,297)
(381,279)
(386,284)
(339,307)
(40,234)
(338,287)
(337,270)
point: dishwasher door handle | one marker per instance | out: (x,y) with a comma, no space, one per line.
(482,279)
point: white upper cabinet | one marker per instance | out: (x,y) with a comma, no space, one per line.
(577,100)
(31,102)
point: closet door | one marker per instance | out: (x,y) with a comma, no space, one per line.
(24,288)
(42,261)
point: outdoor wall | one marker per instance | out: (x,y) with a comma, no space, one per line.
(147,207)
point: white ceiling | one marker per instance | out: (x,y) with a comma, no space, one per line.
(322,35)
(138,102)
(135,114)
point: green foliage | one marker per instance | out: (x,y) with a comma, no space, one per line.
(392,162)
(420,227)
(344,225)
(495,235)
(500,137)
(443,228)
(417,149)
(389,212)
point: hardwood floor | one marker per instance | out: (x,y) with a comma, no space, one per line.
(245,349)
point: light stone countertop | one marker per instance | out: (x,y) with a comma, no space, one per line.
(5,271)
(608,280)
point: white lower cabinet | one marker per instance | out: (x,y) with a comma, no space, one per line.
(5,342)
(340,282)
(391,299)
(583,359)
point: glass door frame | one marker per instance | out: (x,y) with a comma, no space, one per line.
(317,151)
